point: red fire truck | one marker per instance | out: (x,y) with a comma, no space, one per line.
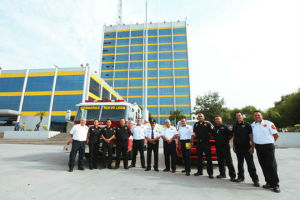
(109,109)
(194,148)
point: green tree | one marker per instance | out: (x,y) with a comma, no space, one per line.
(176,115)
(273,115)
(41,114)
(210,104)
(289,109)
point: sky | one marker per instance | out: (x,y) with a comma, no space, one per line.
(246,50)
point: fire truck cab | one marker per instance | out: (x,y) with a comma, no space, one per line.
(108,109)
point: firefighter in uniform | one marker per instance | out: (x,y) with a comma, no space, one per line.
(138,133)
(243,146)
(185,132)
(122,134)
(264,136)
(203,130)
(108,135)
(152,136)
(222,136)
(79,135)
(93,141)
(169,134)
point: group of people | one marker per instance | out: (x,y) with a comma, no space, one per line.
(259,135)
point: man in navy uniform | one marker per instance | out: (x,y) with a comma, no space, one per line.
(222,137)
(203,130)
(93,141)
(264,136)
(243,146)
(152,136)
(122,134)
(108,135)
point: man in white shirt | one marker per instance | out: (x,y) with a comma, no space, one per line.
(152,136)
(185,133)
(169,134)
(138,133)
(79,135)
(264,136)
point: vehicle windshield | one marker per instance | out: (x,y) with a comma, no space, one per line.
(106,112)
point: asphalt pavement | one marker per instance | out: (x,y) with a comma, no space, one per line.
(40,172)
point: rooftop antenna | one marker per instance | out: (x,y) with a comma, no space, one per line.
(119,16)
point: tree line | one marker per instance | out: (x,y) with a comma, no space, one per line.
(285,113)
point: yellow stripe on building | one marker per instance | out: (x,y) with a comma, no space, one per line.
(38,93)
(63,113)
(4,94)
(179,105)
(149,69)
(135,61)
(54,113)
(42,93)
(12,75)
(38,74)
(150,36)
(144,29)
(94,96)
(164,86)
(149,52)
(139,78)
(95,79)
(112,93)
(70,92)
(149,44)
(155,96)
(68,73)
(33,113)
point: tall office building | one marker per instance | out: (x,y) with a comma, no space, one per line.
(123,65)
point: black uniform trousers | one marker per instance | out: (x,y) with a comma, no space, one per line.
(267,161)
(77,146)
(170,152)
(107,147)
(204,147)
(224,154)
(138,145)
(122,147)
(152,147)
(243,154)
(93,151)
(186,155)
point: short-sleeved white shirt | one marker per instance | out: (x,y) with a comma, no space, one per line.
(185,132)
(138,132)
(169,132)
(263,132)
(156,132)
(79,132)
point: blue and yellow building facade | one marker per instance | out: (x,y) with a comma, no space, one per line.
(52,91)
(123,65)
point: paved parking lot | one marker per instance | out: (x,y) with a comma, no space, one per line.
(40,172)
